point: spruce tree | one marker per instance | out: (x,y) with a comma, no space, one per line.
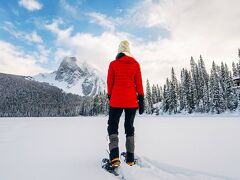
(187,91)
(234,69)
(203,86)
(229,94)
(217,104)
(166,96)
(154,94)
(173,93)
(159,93)
(194,82)
(148,99)
(182,95)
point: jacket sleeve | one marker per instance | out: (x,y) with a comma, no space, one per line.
(138,81)
(110,79)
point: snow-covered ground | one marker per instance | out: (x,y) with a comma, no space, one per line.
(71,148)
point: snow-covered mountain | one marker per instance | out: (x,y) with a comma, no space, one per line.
(74,77)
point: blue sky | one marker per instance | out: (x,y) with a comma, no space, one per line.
(17,18)
(72,12)
(35,35)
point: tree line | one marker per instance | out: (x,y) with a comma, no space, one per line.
(21,96)
(196,90)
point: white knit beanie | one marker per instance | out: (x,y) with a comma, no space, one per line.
(124,48)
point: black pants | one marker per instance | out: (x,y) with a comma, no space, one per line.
(114,117)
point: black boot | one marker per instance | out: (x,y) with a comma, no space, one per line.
(114,157)
(114,153)
(130,158)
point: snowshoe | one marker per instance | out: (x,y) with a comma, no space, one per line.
(110,167)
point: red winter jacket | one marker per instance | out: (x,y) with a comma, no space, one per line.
(124,82)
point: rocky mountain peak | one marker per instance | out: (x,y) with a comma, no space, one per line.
(69,70)
(69,63)
(75,77)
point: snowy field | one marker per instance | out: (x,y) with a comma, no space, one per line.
(71,148)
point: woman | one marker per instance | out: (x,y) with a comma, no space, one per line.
(125,92)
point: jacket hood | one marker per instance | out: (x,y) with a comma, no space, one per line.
(127,59)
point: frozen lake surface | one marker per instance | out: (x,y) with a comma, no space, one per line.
(71,148)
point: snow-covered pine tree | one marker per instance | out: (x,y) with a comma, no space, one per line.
(159,93)
(148,99)
(235,75)
(173,106)
(154,94)
(238,76)
(190,96)
(105,103)
(194,83)
(182,95)
(96,105)
(222,85)
(187,102)
(170,96)
(229,94)
(206,98)
(166,96)
(178,96)
(203,79)
(216,97)
(234,69)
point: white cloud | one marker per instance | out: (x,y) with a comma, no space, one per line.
(102,20)
(210,28)
(60,53)
(96,50)
(86,46)
(32,37)
(43,54)
(16,61)
(62,35)
(31,5)
(69,9)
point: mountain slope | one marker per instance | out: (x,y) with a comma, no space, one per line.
(71,77)
(22,96)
